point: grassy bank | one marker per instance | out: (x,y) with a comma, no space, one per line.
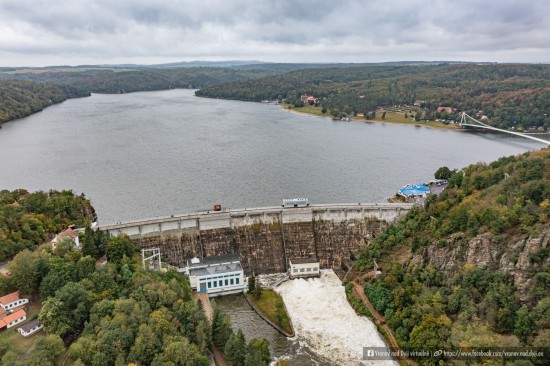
(12,340)
(267,305)
(391,117)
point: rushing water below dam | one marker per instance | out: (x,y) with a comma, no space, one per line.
(151,154)
(294,350)
(328,332)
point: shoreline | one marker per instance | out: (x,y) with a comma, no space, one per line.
(359,119)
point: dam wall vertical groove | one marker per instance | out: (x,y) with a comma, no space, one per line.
(265,239)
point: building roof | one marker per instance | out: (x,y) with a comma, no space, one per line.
(28,327)
(14,316)
(215,260)
(216,269)
(67,233)
(9,298)
(446,109)
(304,260)
(416,190)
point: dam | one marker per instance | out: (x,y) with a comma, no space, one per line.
(265,238)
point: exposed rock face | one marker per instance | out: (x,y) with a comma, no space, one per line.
(266,248)
(513,257)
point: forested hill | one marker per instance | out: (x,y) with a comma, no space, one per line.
(508,94)
(23,92)
(472,268)
(29,219)
(20,98)
(121,80)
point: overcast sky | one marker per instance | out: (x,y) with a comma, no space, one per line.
(72,32)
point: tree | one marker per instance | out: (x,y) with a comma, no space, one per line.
(279,311)
(54,317)
(523,328)
(85,267)
(88,244)
(221,328)
(252,284)
(180,352)
(258,353)
(119,247)
(384,115)
(235,349)
(258,290)
(28,269)
(76,301)
(431,333)
(49,348)
(61,272)
(146,345)
(443,173)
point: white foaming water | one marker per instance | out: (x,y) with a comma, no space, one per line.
(323,318)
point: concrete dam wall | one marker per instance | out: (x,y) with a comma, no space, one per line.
(265,238)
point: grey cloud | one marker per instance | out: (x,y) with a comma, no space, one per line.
(320,31)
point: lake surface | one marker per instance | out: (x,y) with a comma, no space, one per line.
(150,154)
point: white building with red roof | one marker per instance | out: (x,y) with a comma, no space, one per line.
(67,233)
(306,99)
(11,301)
(12,319)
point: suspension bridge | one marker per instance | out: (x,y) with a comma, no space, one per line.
(468,121)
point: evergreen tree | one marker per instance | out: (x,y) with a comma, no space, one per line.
(279,311)
(252,284)
(258,353)
(88,244)
(235,349)
(221,328)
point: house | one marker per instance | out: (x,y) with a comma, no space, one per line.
(308,99)
(67,233)
(304,267)
(30,328)
(446,109)
(419,103)
(218,275)
(11,301)
(12,319)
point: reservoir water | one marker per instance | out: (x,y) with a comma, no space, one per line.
(150,154)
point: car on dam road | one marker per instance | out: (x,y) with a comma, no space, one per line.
(295,202)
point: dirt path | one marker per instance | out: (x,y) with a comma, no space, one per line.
(218,357)
(381,322)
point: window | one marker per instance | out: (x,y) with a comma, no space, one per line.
(209,284)
(301,269)
(232,281)
(237,280)
(295,270)
(226,282)
(215,283)
(308,270)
